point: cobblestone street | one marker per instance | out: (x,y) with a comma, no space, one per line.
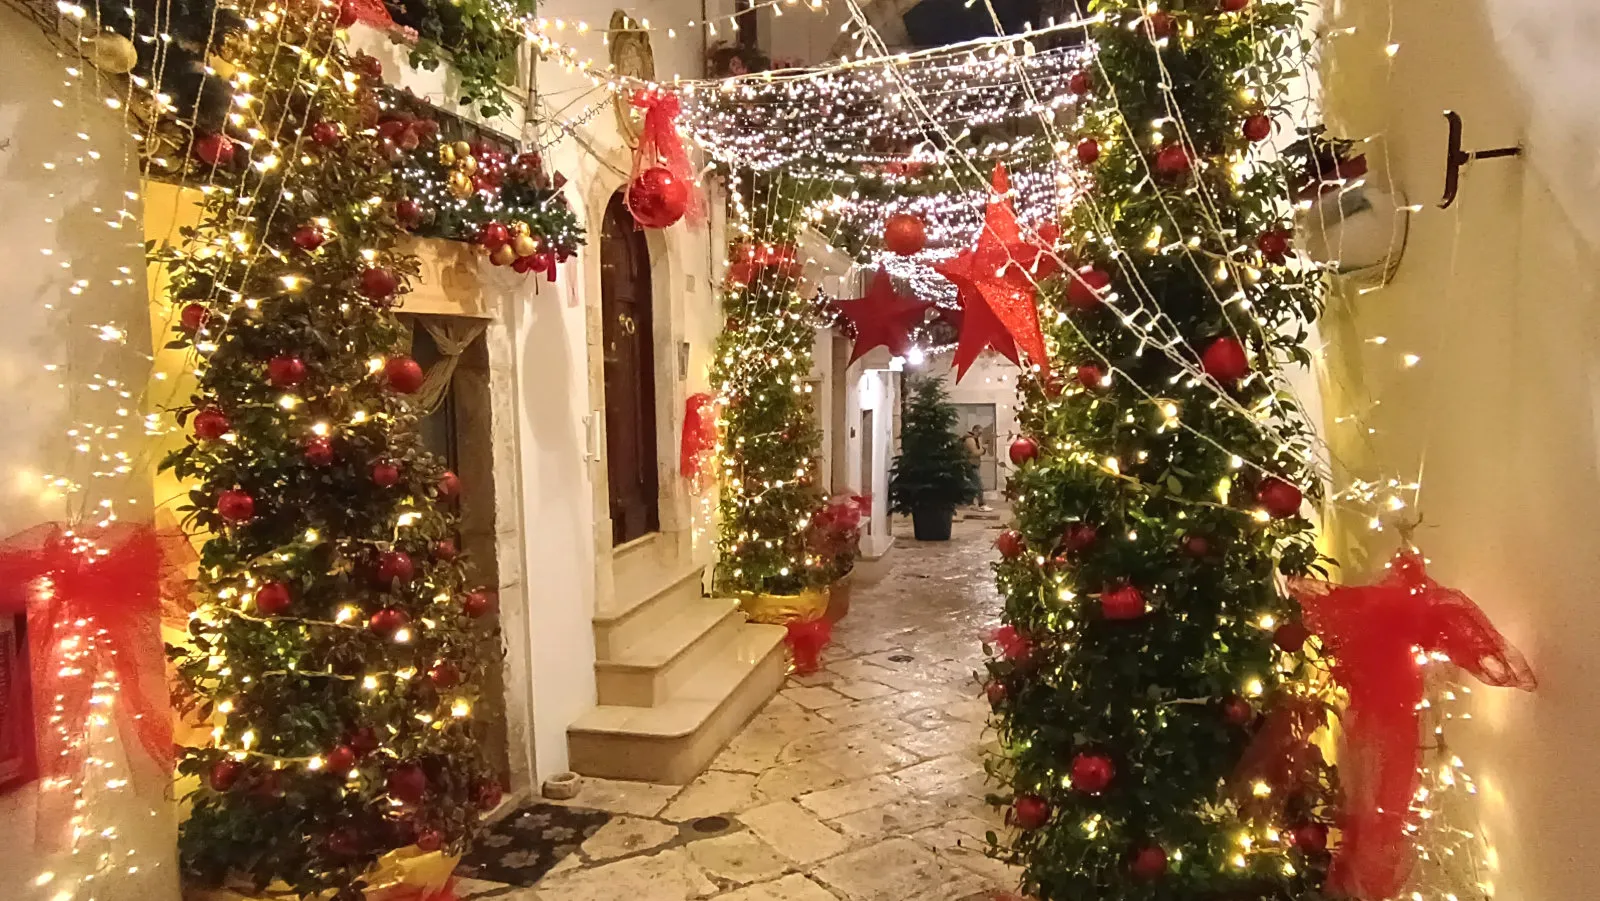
(862,782)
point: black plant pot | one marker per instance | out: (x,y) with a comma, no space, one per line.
(932,522)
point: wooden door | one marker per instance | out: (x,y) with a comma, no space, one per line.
(630,400)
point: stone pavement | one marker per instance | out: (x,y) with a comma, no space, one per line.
(862,782)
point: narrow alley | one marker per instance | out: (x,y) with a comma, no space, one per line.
(861,782)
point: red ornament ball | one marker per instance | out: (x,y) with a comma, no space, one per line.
(349,12)
(387,621)
(385,475)
(657,198)
(1024,450)
(236,505)
(1257,128)
(319,452)
(1160,24)
(1126,602)
(1014,645)
(1311,838)
(1274,245)
(325,134)
(487,796)
(430,840)
(1236,711)
(224,774)
(444,674)
(1196,546)
(1030,811)
(210,424)
(1011,544)
(494,236)
(341,759)
(407,213)
(1149,862)
(1224,359)
(1079,83)
(403,374)
(406,783)
(1233,6)
(476,603)
(1088,151)
(1079,537)
(445,549)
(1280,499)
(273,598)
(1173,161)
(1085,289)
(1092,376)
(996,692)
(1092,773)
(364,740)
(308,238)
(395,566)
(284,371)
(1291,636)
(904,234)
(378,283)
(449,486)
(193,317)
(214,149)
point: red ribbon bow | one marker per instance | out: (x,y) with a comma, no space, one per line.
(94,618)
(659,145)
(1377,634)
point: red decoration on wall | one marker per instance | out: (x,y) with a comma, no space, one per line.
(1375,633)
(883,318)
(699,439)
(661,148)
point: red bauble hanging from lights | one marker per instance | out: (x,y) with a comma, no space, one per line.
(657,198)
(1024,450)
(1225,360)
(210,424)
(1011,544)
(1030,812)
(904,234)
(1280,499)
(1092,773)
(404,374)
(236,505)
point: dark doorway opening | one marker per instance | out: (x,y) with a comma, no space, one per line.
(628,332)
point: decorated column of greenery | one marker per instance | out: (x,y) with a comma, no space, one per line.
(771,444)
(1151,680)
(337,648)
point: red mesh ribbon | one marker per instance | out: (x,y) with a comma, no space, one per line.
(94,618)
(1375,634)
(1281,754)
(806,639)
(699,435)
(659,145)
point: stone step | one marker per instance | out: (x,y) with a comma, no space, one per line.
(673,741)
(650,669)
(635,616)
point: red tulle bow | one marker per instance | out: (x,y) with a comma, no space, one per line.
(806,641)
(660,145)
(94,621)
(1381,636)
(699,435)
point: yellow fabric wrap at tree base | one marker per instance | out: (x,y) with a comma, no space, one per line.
(782,609)
(404,874)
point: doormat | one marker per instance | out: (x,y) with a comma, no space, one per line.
(522,847)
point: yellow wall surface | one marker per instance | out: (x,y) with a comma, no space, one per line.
(1498,296)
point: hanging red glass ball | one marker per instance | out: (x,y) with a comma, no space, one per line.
(193,317)
(214,149)
(1291,636)
(285,371)
(1280,499)
(236,505)
(341,759)
(224,774)
(1085,290)
(406,783)
(319,452)
(1274,245)
(444,674)
(476,603)
(449,486)
(308,238)
(403,374)
(1224,359)
(210,424)
(1257,128)
(1092,376)
(1236,711)
(1312,838)
(1092,772)
(904,234)
(407,213)
(487,795)
(325,134)
(1173,160)
(395,566)
(1079,537)
(378,283)
(1149,862)
(429,840)
(272,598)
(385,474)
(1088,151)
(1030,811)
(1079,83)
(1011,544)
(387,621)
(657,198)
(996,692)
(445,549)
(1196,546)
(349,13)
(494,236)
(1125,602)
(1024,450)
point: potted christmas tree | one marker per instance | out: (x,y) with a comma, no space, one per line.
(933,473)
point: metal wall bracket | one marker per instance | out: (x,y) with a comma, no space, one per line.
(1455,158)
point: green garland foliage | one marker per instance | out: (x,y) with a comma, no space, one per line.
(479,40)
(1153,481)
(933,470)
(335,649)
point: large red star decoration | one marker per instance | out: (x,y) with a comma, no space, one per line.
(995,283)
(883,318)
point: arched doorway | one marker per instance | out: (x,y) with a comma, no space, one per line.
(630,385)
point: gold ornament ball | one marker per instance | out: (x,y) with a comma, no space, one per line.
(467,164)
(462,148)
(113,53)
(525,246)
(446,155)
(503,255)
(460,184)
